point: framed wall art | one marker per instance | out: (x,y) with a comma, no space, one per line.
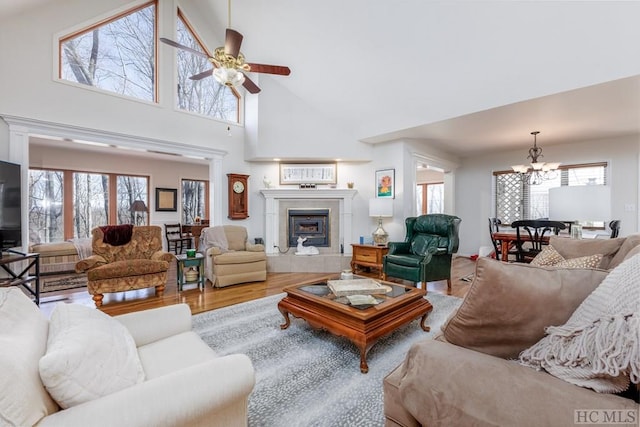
(385,183)
(305,173)
(166,199)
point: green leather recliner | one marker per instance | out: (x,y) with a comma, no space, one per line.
(425,255)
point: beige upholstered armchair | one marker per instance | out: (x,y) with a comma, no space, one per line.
(125,258)
(230,258)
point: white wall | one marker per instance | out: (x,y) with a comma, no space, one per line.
(474,183)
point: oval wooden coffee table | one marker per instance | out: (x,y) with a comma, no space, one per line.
(362,325)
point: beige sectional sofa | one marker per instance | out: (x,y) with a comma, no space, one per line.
(470,375)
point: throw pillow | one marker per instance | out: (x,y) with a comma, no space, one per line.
(574,248)
(589,261)
(548,256)
(509,305)
(23,337)
(598,346)
(89,355)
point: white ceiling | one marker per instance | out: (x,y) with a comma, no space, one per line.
(390,69)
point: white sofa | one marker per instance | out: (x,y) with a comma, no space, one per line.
(183,383)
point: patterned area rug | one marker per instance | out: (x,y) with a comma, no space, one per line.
(62,282)
(307,377)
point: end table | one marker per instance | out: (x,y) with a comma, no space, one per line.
(184,263)
(368,256)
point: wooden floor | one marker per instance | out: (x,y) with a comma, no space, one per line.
(211,298)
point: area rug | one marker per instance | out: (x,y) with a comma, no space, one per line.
(307,377)
(60,282)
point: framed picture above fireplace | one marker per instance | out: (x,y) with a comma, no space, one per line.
(308,173)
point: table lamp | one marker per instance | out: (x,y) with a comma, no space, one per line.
(580,203)
(380,208)
(138,206)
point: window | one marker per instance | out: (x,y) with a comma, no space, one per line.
(515,199)
(195,200)
(205,96)
(430,198)
(66,204)
(90,202)
(45,206)
(117,55)
(132,190)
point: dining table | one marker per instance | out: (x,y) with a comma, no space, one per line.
(508,240)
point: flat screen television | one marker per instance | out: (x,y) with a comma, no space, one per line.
(10,206)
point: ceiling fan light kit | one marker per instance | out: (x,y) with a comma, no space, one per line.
(229,66)
(537,171)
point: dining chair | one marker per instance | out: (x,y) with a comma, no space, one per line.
(177,242)
(494,227)
(615,228)
(532,234)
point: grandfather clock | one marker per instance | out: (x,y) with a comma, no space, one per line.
(238,201)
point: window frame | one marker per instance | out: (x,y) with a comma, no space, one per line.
(61,39)
(206,198)
(424,188)
(525,201)
(68,196)
(181,16)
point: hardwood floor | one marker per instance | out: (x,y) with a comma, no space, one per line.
(211,298)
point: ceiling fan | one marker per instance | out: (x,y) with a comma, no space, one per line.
(229,63)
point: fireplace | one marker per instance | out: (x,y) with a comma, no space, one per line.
(279,200)
(312,224)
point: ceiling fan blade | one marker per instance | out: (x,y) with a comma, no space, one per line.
(250,86)
(202,75)
(183,47)
(232,42)
(269,69)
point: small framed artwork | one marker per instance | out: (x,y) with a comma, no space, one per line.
(166,200)
(385,183)
(300,173)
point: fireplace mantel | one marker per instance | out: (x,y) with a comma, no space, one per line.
(273,196)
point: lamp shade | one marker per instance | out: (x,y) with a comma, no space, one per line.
(381,207)
(580,203)
(138,206)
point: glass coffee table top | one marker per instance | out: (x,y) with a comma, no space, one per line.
(321,289)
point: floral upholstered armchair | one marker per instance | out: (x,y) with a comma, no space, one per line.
(125,258)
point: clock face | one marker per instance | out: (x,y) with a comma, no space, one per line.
(238,187)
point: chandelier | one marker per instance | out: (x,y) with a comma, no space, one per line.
(536,172)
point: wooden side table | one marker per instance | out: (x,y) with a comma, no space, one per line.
(189,262)
(368,256)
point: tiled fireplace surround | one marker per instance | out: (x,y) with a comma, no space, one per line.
(278,200)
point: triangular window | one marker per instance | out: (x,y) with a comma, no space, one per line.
(116,55)
(205,96)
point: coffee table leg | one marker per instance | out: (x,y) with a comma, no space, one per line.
(285,313)
(364,368)
(422,325)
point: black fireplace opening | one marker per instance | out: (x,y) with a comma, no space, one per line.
(310,223)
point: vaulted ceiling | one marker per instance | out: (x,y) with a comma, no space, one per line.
(463,76)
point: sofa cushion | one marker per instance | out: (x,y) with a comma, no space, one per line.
(574,248)
(236,236)
(630,243)
(89,355)
(173,353)
(240,257)
(23,341)
(130,267)
(508,305)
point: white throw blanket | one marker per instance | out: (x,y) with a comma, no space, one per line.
(83,247)
(599,346)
